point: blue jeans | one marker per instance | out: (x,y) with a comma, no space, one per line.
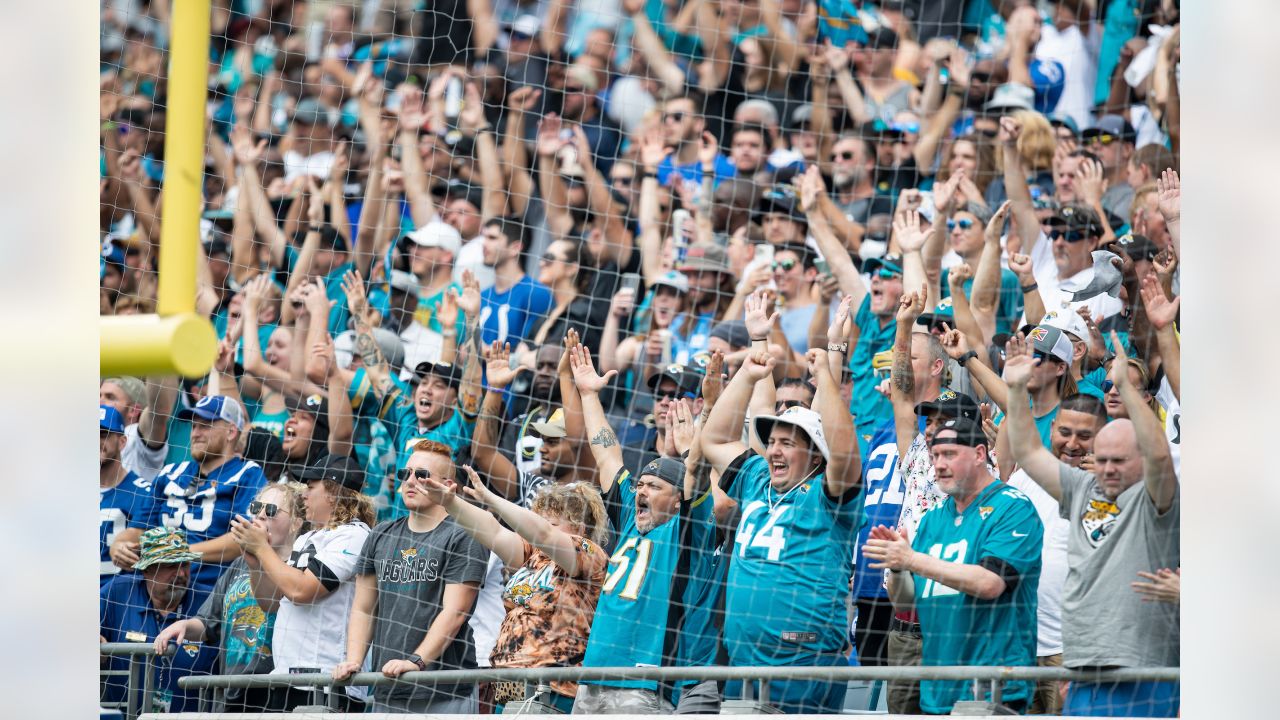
(1123,699)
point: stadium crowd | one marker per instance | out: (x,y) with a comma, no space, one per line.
(654,333)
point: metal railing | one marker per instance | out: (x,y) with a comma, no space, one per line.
(139,674)
(976,674)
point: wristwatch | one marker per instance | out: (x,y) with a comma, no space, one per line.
(966,358)
(842,347)
(417,660)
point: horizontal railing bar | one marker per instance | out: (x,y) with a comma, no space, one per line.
(542,675)
(127,648)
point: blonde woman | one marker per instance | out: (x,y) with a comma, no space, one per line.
(557,568)
(311,591)
(230,616)
(1035,145)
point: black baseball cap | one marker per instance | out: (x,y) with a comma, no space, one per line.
(687,379)
(1077,217)
(667,469)
(342,469)
(781,202)
(451,374)
(951,404)
(967,433)
(316,405)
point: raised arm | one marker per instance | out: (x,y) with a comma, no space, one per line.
(854,103)
(1032,302)
(604,443)
(911,240)
(375,365)
(1024,440)
(844,471)
(512,153)
(417,191)
(811,191)
(1169,197)
(986,281)
(470,388)
(651,153)
(1162,313)
(957,348)
(478,523)
(1157,464)
(939,123)
(558,545)
(902,385)
(977,332)
(722,434)
(555,196)
(484,442)
(153,425)
(1015,185)
(341,421)
(646,40)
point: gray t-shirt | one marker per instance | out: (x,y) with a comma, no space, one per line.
(1106,623)
(235,622)
(412,570)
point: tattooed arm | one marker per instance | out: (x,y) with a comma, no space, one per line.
(375,365)
(603,443)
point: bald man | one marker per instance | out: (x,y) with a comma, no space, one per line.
(1123,519)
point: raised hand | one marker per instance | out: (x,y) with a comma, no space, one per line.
(817,359)
(589,382)
(684,431)
(498,370)
(708,151)
(652,149)
(987,412)
(757,318)
(571,341)
(1090,181)
(1120,366)
(842,324)
(255,294)
(1021,266)
(810,187)
(353,288)
(944,197)
(996,226)
(1097,346)
(1169,195)
(324,350)
(911,305)
(758,364)
(548,141)
(1019,362)
(1160,310)
(243,147)
(713,381)
(471,118)
(953,342)
(957,276)
(315,205)
(958,67)
(1010,130)
(476,489)
(623,302)
(837,58)
(1166,262)
(523,99)
(447,313)
(469,301)
(907,229)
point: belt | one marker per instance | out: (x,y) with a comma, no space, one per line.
(902,626)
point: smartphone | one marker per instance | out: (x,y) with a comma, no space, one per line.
(822,266)
(453,98)
(679,220)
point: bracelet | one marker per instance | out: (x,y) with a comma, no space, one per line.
(649,174)
(1029,288)
(449,333)
(315,228)
(965,358)
(756,339)
(842,347)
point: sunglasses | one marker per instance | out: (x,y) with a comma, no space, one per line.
(406,473)
(844,155)
(1107,385)
(677,116)
(962,223)
(271,509)
(1071,236)
(548,259)
(987,132)
(1103,139)
(574,89)
(784,265)
(788,404)
(623,180)
(887,274)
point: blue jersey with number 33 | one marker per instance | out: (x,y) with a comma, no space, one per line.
(204,507)
(792,559)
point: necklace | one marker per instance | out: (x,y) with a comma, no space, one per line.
(773,505)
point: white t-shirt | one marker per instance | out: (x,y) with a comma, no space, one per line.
(1055,292)
(471,257)
(1078,54)
(1172,422)
(317,165)
(314,635)
(139,459)
(1053,564)
(420,345)
(489,613)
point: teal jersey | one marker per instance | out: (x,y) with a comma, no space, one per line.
(406,432)
(1001,531)
(792,561)
(339,315)
(641,617)
(870,409)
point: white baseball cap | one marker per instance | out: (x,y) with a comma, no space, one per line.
(437,233)
(1068,321)
(673,279)
(807,420)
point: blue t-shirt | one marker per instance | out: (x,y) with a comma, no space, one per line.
(1009,305)
(870,409)
(693,171)
(792,560)
(1000,526)
(204,506)
(691,336)
(514,315)
(129,504)
(885,491)
(641,617)
(126,615)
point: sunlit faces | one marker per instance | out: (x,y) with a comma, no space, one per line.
(665,305)
(747,150)
(436,466)
(885,293)
(966,232)
(463,216)
(433,400)
(167,583)
(557,457)
(299,430)
(1116,458)
(791,457)
(278,347)
(1111,394)
(319,502)
(211,440)
(110,445)
(957,468)
(1072,435)
(657,501)
(964,156)
(545,366)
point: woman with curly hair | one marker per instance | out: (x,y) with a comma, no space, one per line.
(311,590)
(557,569)
(1036,145)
